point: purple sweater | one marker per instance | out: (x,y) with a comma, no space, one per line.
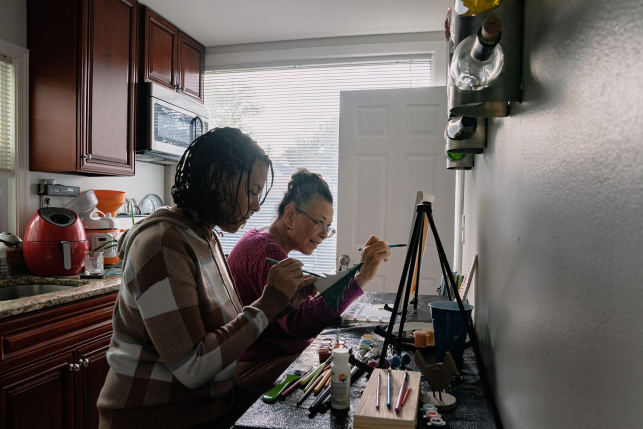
(293,333)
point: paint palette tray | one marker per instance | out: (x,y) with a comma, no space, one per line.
(366,313)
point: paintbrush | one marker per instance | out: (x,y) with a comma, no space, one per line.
(292,375)
(307,272)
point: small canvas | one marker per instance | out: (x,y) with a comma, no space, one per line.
(331,287)
(468,278)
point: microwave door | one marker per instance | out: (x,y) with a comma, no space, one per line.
(172,129)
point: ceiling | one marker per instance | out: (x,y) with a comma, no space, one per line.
(230,22)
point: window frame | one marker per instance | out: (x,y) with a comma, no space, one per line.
(311,261)
(14,207)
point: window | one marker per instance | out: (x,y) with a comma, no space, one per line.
(293,113)
(6,117)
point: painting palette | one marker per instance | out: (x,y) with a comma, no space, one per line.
(366,313)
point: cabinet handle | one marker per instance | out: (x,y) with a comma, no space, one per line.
(84,362)
(87,157)
(74,367)
(182,88)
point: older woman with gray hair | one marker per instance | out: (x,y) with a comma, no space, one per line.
(304,221)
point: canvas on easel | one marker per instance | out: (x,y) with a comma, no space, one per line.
(466,283)
(421,197)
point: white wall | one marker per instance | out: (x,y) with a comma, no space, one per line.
(13,22)
(149,179)
(554,207)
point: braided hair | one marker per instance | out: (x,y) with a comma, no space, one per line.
(211,171)
(304,187)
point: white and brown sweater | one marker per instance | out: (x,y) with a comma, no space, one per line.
(179,327)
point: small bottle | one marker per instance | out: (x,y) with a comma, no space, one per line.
(475,7)
(4,267)
(478,60)
(450,156)
(340,380)
(462,127)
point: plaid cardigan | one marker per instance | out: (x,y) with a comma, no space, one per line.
(179,327)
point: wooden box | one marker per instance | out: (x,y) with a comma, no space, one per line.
(369,417)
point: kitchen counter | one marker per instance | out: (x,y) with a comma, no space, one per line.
(84,289)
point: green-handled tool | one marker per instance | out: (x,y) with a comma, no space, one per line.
(292,376)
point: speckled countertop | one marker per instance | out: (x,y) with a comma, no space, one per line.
(84,289)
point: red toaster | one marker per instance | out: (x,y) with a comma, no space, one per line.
(55,243)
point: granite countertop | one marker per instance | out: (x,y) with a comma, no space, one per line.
(83,289)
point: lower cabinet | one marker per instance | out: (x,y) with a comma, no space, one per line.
(90,377)
(53,381)
(40,396)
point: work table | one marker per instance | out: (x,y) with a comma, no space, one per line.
(87,289)
(474,409)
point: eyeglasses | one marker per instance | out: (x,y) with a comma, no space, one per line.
(320,227)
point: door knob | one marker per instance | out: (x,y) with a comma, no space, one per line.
(182,88)
(74,367)
(87,157)
(84,362)
(344,260)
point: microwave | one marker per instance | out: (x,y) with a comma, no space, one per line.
(173,122)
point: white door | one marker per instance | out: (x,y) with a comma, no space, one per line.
(391,145)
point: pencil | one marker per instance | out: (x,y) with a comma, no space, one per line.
(390,246)
(322,382)
(406,395)
(379,382)
(402,390)
(307,272)
(388,390)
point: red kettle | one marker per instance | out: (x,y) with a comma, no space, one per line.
(55,243)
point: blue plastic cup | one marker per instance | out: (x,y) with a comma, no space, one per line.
(449,328)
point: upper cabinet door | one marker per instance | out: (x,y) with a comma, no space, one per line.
(161,46)
(192,64)
(111,60)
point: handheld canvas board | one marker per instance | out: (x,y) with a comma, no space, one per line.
(331,288)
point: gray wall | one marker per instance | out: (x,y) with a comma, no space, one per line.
(13,22)
(554,207)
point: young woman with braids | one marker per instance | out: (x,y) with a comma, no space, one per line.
(304,220)
(179,325)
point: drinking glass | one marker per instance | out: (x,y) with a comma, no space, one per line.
(94,262)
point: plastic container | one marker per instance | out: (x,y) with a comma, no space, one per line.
(83,204)
(340,381)
(109,201)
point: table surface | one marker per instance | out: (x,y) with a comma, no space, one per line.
(474,407)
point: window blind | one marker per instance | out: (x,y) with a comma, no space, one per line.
(6,117)
(293,113)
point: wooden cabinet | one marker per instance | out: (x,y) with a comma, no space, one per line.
(82,57)
(191,67)
(93,369)
(171,58)
(39,396)
(53,365)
